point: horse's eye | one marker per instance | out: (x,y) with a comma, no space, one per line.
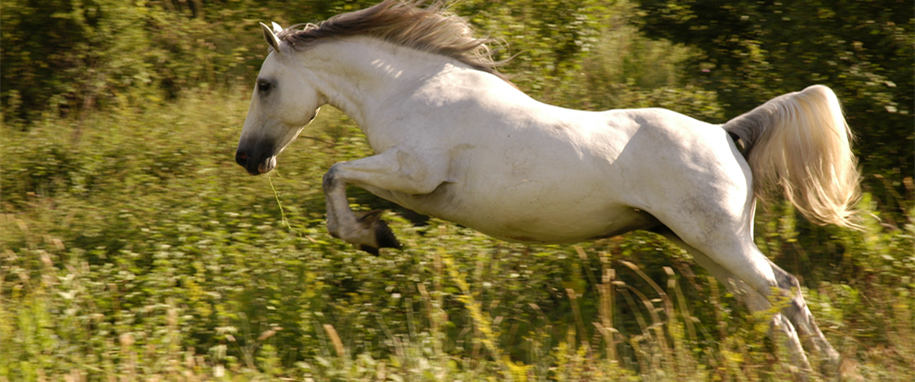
(264,86)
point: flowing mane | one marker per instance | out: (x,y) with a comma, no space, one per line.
(430,29)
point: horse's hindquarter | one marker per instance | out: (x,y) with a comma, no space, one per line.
(689,175)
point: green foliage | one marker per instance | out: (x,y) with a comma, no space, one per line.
(584,54)
(132,247)
(753,50)
(65,56)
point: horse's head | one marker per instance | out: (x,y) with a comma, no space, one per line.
(284,101)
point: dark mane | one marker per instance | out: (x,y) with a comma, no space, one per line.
(430,29)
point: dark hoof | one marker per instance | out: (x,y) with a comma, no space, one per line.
(369,249)
(384,238)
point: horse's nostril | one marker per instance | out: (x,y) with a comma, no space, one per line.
(242,158)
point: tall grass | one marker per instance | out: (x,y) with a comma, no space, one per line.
(131,247)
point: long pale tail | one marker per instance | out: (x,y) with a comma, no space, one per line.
(800,144)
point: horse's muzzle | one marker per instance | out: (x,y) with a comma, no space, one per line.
(256,161)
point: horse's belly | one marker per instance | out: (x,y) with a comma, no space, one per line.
(521,216)
(567,227)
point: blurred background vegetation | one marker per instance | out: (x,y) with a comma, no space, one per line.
(132,247)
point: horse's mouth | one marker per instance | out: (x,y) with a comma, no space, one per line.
(261,167)
(265,166)
(255,161)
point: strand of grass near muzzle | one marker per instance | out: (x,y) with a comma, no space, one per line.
(276,196)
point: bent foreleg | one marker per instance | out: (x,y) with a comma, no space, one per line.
(394,170)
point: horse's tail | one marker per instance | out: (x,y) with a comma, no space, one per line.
(800,143)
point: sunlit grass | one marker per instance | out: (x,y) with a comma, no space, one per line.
(133,247)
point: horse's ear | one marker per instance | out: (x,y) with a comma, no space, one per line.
(271,38)
(276,27)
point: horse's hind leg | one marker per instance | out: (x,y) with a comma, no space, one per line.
(801,316)
(722,235)
(755,301)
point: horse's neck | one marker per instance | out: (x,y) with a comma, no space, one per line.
(361,75)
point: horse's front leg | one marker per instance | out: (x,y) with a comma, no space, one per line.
(395,170)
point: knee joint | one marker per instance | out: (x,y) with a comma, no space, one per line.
(788,282)
(330,178)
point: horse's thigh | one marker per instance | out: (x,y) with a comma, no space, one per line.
(749,296)
(723,234)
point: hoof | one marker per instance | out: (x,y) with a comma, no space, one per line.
(383,237)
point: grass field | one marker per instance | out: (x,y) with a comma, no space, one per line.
(132,247)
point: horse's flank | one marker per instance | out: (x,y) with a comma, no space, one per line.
(430,29)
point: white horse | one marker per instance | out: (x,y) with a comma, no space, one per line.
(455,140)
